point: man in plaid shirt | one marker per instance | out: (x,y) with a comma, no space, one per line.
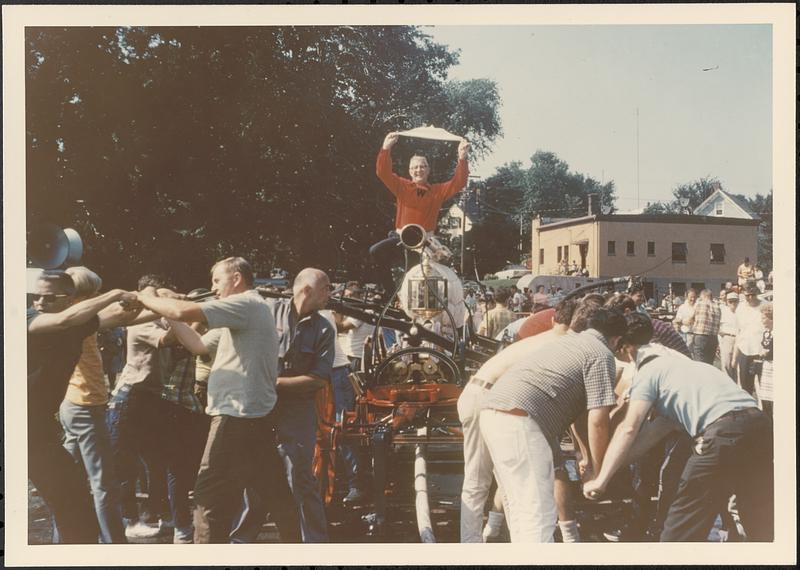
(707,317)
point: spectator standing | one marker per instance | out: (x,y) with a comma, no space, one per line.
(745,272)
(765,387)
(498,318)
(727,334)
(684,318)
(705,328)
(749,332)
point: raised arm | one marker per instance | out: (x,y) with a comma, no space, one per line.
(171,308)
(77,314)
(383,165)
(461,175)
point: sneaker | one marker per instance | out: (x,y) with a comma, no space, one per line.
(139,529)
(183,535)
(613,535)
(355,496)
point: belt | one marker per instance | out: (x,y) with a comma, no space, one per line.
(742,412)
(727,334)
(514,412)
(482,383)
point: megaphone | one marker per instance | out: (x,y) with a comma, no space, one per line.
(50,247)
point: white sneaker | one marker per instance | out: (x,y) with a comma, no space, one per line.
(183,535)
(139,529)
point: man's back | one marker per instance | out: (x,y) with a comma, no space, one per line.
(689,392)
(559,381)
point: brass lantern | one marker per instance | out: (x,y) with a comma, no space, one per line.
(427,290)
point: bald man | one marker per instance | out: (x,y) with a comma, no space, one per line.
(306,347)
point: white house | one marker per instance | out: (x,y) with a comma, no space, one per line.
(723,205)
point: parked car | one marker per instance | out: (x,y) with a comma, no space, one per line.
(512,272)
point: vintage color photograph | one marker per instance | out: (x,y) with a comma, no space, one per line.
(398,283)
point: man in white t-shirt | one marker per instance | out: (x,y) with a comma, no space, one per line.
(357,333)
(241,451)
(749,331)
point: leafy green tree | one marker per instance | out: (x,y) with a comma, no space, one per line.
(696,191)
(187,144)
(514,195)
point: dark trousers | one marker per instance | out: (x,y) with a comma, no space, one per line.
(705,348)
(241,453)
(136,430)
(185,434)
(732,456)
(60,481)
(746,377)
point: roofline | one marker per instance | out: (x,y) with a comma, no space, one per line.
(651,219)
(732,199)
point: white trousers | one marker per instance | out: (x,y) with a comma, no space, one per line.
(477,464)
(523,464)
(726,344)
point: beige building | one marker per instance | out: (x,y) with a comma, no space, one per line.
(677,250)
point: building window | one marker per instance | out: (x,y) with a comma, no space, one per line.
(566,252)
(679,251)
(719,209)
(612,248)
(699,286)
(651,248)
(678,289)
(717,253)
(541,257)
(558,254)
(631,249)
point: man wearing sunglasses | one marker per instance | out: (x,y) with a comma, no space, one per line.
(56,327)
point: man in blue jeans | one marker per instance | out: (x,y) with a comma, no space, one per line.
(56,329)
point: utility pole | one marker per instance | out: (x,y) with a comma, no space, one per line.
(637,157)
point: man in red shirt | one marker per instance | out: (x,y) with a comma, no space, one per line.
(418,201)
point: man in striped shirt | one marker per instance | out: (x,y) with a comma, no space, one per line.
(532,404)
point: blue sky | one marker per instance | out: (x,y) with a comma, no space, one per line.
(574,90)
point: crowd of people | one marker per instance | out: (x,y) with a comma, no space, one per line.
(213,415)
(693,427)
(214,412)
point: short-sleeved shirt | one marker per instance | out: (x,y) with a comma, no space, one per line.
(306,345)
(749,329)
(340,348)
(179,382)
(147,361)
(245,369)
(689,392)
(357,336)
(52,357)
(684,316)
(558,382)
(87,385)
(706,318)
(496,320)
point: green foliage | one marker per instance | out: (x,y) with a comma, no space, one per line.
(514,195)
(696,191)
(189,144)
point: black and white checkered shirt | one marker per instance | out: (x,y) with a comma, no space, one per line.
(558,382)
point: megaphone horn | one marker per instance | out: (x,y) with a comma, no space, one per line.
(413,236)
(50,247)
